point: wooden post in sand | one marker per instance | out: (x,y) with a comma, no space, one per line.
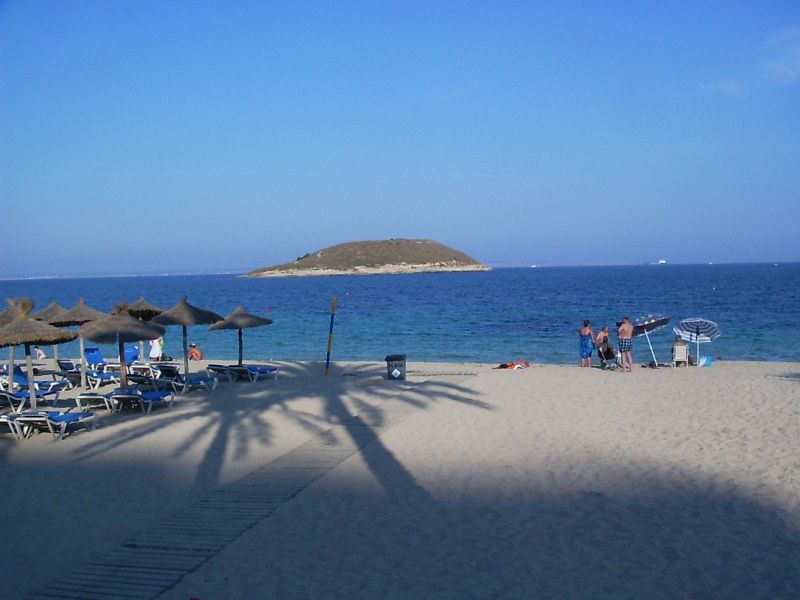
(330,336)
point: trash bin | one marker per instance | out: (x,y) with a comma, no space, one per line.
(396,367)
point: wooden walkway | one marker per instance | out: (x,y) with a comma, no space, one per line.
(156,559)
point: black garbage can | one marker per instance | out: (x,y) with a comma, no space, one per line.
(396,367)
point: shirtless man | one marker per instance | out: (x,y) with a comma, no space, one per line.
(625,335)
(195,353)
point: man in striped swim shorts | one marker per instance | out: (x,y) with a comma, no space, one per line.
(625,336)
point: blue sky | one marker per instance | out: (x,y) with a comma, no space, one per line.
(148,137)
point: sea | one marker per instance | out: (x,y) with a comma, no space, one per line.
(486,317)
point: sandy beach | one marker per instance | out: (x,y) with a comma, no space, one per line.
(463,481)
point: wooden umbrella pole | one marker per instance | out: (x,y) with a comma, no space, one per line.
(185,352)
(31,384)
(11,368)
(83,363)
(123,375)
(240,347)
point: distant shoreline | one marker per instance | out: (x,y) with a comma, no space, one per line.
(382,270)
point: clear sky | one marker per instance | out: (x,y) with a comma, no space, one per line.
(142,137)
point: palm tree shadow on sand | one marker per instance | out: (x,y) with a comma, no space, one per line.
(238,415)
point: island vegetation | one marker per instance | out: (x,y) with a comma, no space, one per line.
(372,257)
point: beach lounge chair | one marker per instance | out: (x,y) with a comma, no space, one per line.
(23,396)
(21,382)
(131,353)
(9,422)
(145,400)
(680,355)
(180,383)
(87,401)
(215,369)
(68,365)
(252,372)
(56,422)
(94,359)
(97,378)
(263,371)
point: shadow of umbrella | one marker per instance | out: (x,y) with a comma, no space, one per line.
(26,330)
(144,311)
(184,314)
(120,327)
(48,313)
(79,314)
(240,319)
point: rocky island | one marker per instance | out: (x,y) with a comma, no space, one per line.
(393,256)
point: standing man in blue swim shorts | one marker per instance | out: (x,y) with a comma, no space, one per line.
(625,336)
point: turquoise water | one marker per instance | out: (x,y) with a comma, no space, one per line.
(483,317)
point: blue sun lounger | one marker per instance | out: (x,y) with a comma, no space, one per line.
(181,383)
(23,396)
(145,400)
(56,422)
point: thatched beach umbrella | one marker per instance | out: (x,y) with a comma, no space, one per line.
(185,314)
(240,319)
(6,316)
(26,330)
(78,315)
(143,310)
(48,313)
(120,327)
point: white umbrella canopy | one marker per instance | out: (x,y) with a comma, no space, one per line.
(698,331)
(27,331)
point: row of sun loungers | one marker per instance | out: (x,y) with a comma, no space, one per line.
(154,385)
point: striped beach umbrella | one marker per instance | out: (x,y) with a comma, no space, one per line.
(699,331)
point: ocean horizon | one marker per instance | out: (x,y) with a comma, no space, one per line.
(487,317)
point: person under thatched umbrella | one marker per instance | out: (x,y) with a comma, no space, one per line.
(240,319)
(143,310)
(28,331)
(49,312)
(120,327)
(79,315)
(184,314)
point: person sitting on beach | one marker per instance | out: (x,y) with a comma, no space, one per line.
(586,343)
(679,342)
(194,352)
(604,349)
(625,336)
(39,353)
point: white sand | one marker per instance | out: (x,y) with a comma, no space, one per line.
(544,482)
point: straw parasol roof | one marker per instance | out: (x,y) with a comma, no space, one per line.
(78,315)
(10,313)
(185,314)
(142,309)
(26,330)
(120,327)
(240,319)
(50,312)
